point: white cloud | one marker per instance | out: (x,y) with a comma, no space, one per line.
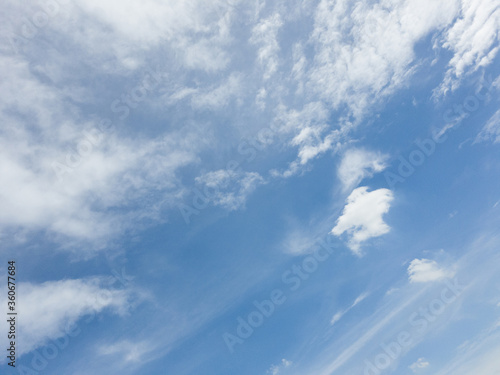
(309,132)
(39,143)
(358,164)
(264,35)
(298,241)
(359,299)
(195,30)
(363,53)
(491,130)
(220,96)
(112,175)
(260,98)
(340,314)
(335,318)
(357,54)
(147,22)
(362,217)
(420,364)
(363,337)
(299,67)
(391,318)
(49,310)
(425,270)
(311,144)
(128,351)
(276,369)
(229,188)
(119,36)
(472,38)
(365,50)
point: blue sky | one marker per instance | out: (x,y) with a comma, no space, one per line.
(251,187)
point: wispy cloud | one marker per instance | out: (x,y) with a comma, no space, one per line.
(491,130)
(420,364)
(358,164)
(133,352)
(356,346)
(473,39)
(277,369)
(229,188)
(340,314)
(264,35)
(50,309)
(378,56)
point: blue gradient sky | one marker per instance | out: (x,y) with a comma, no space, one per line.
(167,168)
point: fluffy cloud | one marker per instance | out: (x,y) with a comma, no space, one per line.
(491,130)
(358,164)
(50,310)
(362,217)
(425,270)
